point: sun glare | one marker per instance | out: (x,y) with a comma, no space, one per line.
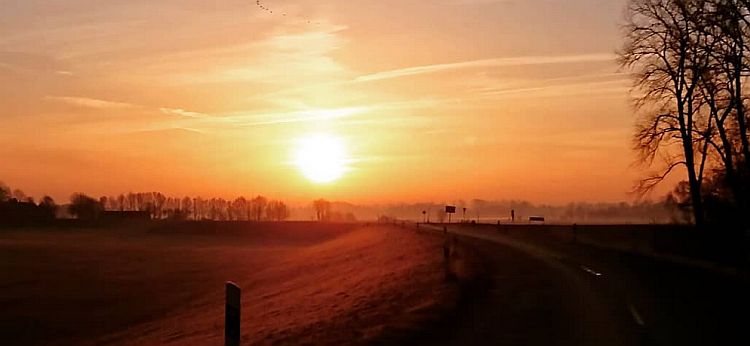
(322,158)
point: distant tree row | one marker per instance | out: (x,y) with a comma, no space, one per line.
(14,203)
(323,212)
(17,208)
(160,206)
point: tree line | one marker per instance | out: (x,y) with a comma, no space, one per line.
(15,204)
(161,206)
(18,208)
(690,60)
(324,212)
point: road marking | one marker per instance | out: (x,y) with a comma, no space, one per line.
(590,271)
(636,315)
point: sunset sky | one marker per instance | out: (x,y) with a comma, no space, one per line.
(431,100)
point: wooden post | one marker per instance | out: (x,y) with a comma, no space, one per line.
(232,315)
(446,258)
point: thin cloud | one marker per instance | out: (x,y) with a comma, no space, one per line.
(249,120)
(499,62)
(155,129)
(90,102)
(565,89)
(201,123)
(182,113)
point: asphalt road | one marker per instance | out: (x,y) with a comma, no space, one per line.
(571,294)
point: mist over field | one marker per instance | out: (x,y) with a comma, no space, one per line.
(482,211)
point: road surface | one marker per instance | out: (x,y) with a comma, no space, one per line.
(572,294)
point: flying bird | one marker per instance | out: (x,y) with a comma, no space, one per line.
(270,11)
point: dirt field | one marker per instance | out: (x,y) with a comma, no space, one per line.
(302,283)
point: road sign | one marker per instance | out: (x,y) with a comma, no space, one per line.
(232,315)
(450,209)
(536,218)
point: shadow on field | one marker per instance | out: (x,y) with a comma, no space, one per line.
(468,277)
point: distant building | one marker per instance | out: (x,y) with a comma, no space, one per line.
(15,212)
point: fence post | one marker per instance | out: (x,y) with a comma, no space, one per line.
(446,258)
(232,315)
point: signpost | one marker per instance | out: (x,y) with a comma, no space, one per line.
(450,209)
(232,315)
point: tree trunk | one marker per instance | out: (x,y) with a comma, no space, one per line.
(687,146)
(695,196)
(741,121)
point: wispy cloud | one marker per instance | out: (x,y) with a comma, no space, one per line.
(182,113)
(475,2)
(286,58)
(155,129)
(90,102)
(255,119)
(571,88)
(498,62)
(205,123)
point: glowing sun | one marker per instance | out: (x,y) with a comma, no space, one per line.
(322,158)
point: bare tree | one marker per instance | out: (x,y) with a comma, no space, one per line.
(19,195)
(277,211)
(158,201)
(239,208)
(732,18)
(5,193)
(258,207)
(667,51)
(84,207)
(48,208)
(186,205)
(728,22)
(322,209)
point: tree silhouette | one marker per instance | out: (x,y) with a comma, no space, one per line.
(103,202)
(690,60)
(48,208)
(277,211)
(5,193)
(84,207)
(258,207)
(20,195)
(186,205)
(239,209)
(664,48)
(322,209)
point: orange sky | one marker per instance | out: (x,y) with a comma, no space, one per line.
(434,100)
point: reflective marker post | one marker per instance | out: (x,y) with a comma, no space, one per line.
(232,315)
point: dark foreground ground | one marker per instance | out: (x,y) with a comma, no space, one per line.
(540,291)
(303,283)
(310,283)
